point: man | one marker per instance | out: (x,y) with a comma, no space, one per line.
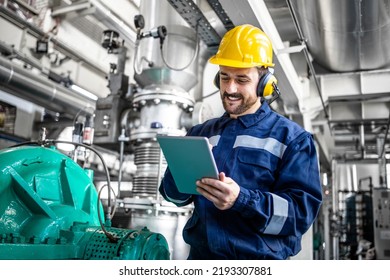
(269,192)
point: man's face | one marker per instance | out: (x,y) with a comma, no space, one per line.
(238,90)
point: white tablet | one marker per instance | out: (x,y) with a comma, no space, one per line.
(189,159)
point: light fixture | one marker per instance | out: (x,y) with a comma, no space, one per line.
(84,92)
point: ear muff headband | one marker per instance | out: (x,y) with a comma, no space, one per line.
(265,87)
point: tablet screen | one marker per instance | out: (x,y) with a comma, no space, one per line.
(189,159)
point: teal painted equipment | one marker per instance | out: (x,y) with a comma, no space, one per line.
(49,210)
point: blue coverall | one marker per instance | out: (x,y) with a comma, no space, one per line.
(274,162)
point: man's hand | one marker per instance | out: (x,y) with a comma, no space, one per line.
(223,192)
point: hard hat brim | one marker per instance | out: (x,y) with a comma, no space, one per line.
(236,64)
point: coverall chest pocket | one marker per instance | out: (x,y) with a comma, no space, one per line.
(256,168)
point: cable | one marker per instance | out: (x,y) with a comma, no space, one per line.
(209,95)
(101,159)
(135,64)
(35,143)
(109,235)
(193,57)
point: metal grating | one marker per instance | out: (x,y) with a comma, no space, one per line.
(99,248)
(89,28)
(221,13)
(195,18)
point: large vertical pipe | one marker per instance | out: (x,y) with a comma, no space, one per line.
(335,208)
(362,141)
(380,140)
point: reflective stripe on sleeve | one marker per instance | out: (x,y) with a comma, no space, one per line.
(175,201)
(213,140)
(280,213)
(269,144)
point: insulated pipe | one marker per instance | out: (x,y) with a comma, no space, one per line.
(346,36)
(41,91)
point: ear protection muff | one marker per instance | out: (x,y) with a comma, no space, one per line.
(265,87)
(216,80)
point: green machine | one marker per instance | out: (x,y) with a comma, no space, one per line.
(50,209)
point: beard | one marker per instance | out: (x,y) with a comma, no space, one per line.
(239,105)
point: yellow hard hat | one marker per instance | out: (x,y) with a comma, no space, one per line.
(244,46)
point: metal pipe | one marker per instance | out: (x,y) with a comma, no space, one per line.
(41,91)
(362,141)
(11,52)
(334,216)
(381,140)
(57,44)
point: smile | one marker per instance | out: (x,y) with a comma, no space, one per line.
(233,97)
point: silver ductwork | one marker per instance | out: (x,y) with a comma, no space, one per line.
(31,86)
(348,35)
